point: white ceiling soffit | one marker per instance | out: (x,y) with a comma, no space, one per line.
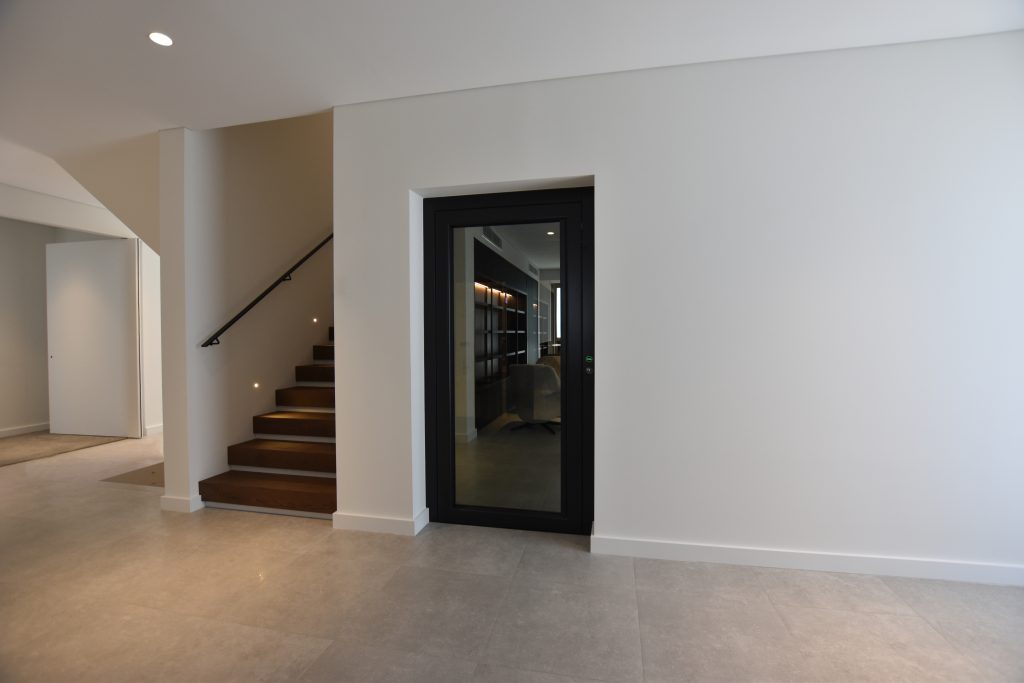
(36,189)
(75,74)
(29,170)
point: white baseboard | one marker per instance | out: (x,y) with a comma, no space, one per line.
(181,503)
(269,511)
(420,521)
(467,437)
(913,567)
(153,429)
(382,525)
(24,429)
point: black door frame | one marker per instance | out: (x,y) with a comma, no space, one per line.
(574,210)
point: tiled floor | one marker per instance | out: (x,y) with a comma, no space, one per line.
(511,466)
(97,584)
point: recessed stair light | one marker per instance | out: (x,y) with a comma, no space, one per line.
(161,39)
(551,232)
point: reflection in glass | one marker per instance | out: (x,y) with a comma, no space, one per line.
(508,400)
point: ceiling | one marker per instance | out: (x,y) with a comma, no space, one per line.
(75,75)
(534,242)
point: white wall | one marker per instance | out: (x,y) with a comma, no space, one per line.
(35,189)
(826,249)
(149,340)
(23,371)
(29,170)
(28,206)
(23,365)
(238,206)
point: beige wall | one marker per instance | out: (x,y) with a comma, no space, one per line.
(238,206)
(24,395)
(125,177)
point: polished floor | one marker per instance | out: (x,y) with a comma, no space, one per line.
(97,584)
(26,447)
(511,467)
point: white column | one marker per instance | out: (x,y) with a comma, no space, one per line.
(180,493)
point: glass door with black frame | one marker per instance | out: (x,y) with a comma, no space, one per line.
(509,336)
(507,373)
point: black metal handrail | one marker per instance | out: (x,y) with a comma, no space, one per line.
(215,337)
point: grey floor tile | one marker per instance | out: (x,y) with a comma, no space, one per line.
(890,646)
(984,622)
(997,651)
(31,610)
(673,609)
(687,637)
(572,562)
(319,595)
(203,583)
(473,550)
(233,528)
(861,628)
(491,673)
(569,629)
(717,582)
(47,552)
(128,643)
(730,658)
(225,596)
(428,611)
(111,571)
(368,547)
(961,601)
(831,590)
(347,662)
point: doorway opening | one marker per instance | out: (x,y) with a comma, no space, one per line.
(509,358)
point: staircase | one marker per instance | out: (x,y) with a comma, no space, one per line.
(289,467)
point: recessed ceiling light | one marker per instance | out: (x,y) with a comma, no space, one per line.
(161,39)
(551,232)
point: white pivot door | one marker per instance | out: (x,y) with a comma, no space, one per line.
(92,313)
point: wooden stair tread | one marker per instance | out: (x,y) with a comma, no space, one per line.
(318,372)
(322,352)
(306,397)
(279,491)
(288,455)
(299,415)
(294,423)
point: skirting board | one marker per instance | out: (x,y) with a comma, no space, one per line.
(912,567)
(269,511)
(25,429)
(382,525)
(467,437)
(181,504)
(152,430)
